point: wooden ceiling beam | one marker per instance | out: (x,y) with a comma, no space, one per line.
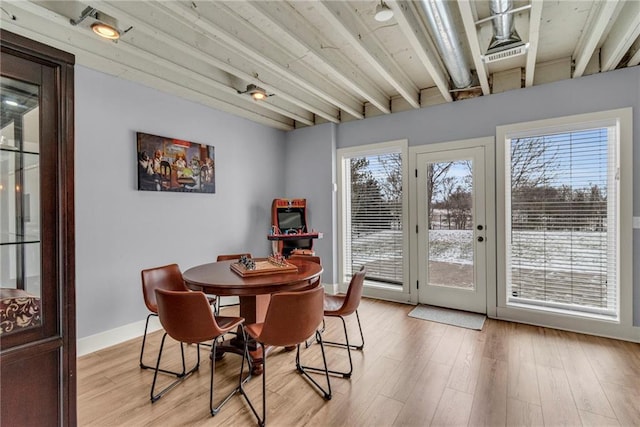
(286,78)
(151,16)
(469,19)
(348,24)
(634,51)
(298,114)
(621,36)
(48,27)
(592,35)
(416,34)
(296,33)
(535,20)
(272,53)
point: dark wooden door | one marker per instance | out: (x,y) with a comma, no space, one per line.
(37,310)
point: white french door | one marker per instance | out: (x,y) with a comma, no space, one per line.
(451,214)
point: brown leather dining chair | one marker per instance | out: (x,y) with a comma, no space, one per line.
(311,258)
(227,257)
(187,317)
(342,306)
(291,318)
(167,277)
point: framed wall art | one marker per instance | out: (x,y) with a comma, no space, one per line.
(169,164)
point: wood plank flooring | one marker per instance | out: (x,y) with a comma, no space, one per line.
(411,373)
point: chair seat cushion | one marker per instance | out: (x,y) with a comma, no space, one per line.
(227,323)
(333,305)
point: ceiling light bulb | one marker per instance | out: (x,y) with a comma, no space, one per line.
(10,102)
(106,31)
(258,96)
(383,12)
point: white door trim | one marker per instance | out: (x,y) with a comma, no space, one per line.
(488,143)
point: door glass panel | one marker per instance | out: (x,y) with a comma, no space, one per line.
(20,263)
(450,219)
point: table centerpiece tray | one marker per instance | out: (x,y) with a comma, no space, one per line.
(263,267)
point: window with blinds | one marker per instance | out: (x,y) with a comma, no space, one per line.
(372,217)
(562,233)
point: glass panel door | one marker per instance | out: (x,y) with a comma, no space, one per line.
(451,231)
(20,266)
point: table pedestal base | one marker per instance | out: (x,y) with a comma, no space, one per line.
(236,345)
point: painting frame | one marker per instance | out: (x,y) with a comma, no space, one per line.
(174,165)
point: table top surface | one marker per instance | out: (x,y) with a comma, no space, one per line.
(218,278)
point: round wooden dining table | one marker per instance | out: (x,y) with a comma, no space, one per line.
(254,292)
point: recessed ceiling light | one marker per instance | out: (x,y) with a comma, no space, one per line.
(383,12)
(106,31)
(256,92)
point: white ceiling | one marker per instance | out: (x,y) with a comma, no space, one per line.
(331,60)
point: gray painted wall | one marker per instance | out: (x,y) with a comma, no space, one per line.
(479,117)
(310,174)
(120,231)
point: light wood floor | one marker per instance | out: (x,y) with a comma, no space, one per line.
(412,373)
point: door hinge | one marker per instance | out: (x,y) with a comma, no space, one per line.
(417,284)
(416,228)
(416,173)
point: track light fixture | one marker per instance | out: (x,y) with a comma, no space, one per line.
(383,12)
(106,31)
(105,26)
(256,92)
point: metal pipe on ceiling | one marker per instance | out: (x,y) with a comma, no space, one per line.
(504,32)
(439,19)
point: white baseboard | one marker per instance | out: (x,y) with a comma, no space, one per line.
(124,333)
(331,288)
(115,336)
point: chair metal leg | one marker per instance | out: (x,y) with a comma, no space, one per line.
(346,345)
(308,342)
(353,346)
(303,369)
(155,397)
(144,340)
(216,305)
(238,389)
(261,421)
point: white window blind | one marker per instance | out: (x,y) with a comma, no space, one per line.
(373,217)
(562,236)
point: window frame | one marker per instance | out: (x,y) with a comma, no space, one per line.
(373,289)
(622,327)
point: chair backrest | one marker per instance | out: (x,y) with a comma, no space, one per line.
(186,316)
(292,317)
(354,293)
(166,277)
(311,258)
(227,257)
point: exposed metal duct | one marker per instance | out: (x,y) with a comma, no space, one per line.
(446,39)
(505,35)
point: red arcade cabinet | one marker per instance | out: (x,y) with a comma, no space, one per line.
(289,231)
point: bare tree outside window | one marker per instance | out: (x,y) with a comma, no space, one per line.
(559,218)
(375,224)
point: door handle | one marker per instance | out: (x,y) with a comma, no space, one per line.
(480,239)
